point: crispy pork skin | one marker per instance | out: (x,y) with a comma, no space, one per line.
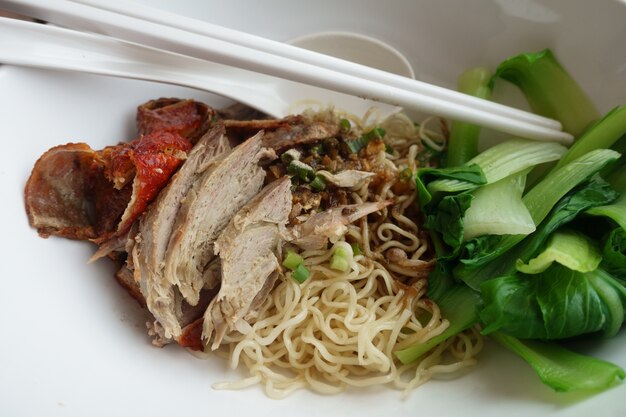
(249,251)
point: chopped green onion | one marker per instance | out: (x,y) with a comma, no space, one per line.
(356,249)
(356,145)
(389,149)
(377,132)
(318,184)
(301,274)
(292,260)
(339,261)
(290,155)
(301,170)
(345,126)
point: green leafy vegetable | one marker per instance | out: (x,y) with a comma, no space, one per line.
(562,369)
(486,258)
(463,141)
(471,174)
(614,253)
(497,209)
(500,161)
(549,89)
(615,211)
(542,197)
(566,286)
(602,134)
(567,247)
(555,304)
(447,220)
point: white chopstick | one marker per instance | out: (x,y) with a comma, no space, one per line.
(83,17)
(139,11)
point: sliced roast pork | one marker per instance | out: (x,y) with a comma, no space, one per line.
(248,249)
(213,199)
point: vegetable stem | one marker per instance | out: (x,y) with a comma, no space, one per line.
(463,141)
(549,89)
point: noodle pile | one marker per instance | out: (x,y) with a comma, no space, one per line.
(340,329)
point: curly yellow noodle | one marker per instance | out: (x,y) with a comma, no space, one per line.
(340,329)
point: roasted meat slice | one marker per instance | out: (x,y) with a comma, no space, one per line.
(79,193)
(157,224)
(248,249)
(208,206)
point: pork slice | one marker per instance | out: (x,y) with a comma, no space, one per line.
(207,208)
(157,224)
(248,249)
(331,224)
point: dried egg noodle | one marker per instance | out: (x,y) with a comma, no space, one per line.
(340,329)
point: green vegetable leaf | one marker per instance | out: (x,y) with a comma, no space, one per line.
(549,89)
(497,209)
(471,174)
(555,304)
(615,211)
(567,247)
(447,219)
(501,161)
(614,253)
(562,369)
(490,256)
(602,134)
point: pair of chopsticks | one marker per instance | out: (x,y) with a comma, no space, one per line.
(174,33)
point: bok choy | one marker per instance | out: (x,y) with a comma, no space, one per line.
(534,263)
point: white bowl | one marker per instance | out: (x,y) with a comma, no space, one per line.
(73,341)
